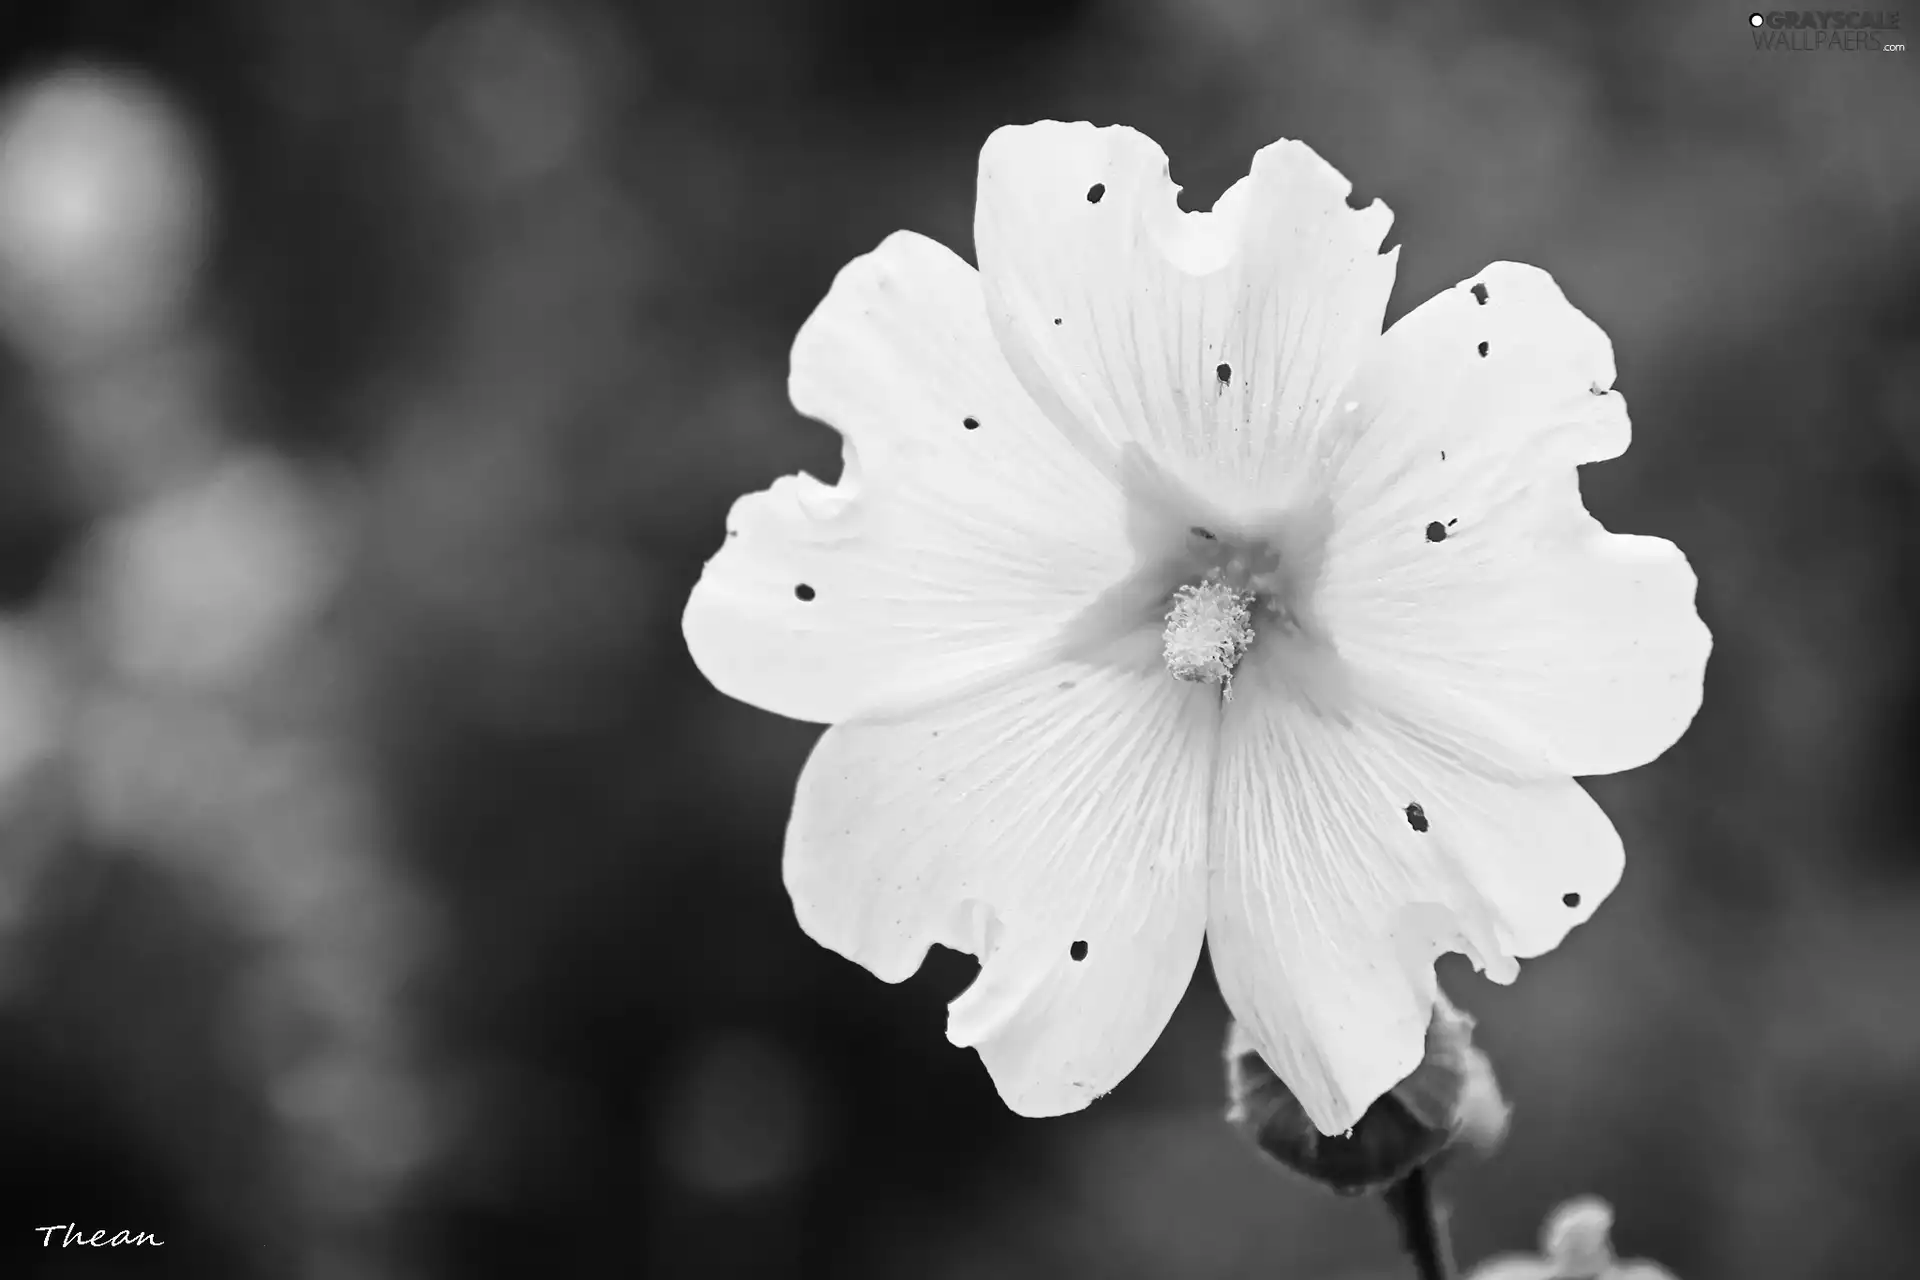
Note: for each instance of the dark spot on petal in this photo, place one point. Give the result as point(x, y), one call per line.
point(733, 533)
point(1480, 294)
point(1443, 455)
point(1483, 346)
point(1199, 532)
point(804, 591)
point(971, 424)
point(1066, 684)
point(1056, 319)
point(1224, 373)
point(1078, 950)
point(1436, 532)
point(1571, 899)
point(1416, 817)
point(1095, 191)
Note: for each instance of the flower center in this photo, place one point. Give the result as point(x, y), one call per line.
point(1209, 629)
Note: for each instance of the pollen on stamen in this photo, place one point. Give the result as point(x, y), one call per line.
point(1209, 629)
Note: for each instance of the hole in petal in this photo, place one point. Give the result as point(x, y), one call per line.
point(1483, 348)
point(1571, 899)
point(1095, 191)
point(1224, 373)
point(804, 591)
point(1056, 319)
point(1443, 455)
point(1416, 817)
point(1078, 950)
point(1436, 532)
point(1480, 294)
point(971, 424)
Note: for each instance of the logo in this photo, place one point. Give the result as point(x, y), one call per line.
point(1827, 31)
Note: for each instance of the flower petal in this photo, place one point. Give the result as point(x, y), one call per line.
point(1638, 1269)
point(1462, 556)
point(1055, 827)
point(963, 538)
point(1355, 840)
point(1516, 1266)
point(1206, 338)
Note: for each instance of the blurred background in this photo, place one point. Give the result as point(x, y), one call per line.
point(384, 895)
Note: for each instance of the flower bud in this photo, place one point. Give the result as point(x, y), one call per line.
point(1450, 1100)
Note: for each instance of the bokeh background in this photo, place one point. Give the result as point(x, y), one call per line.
point(384, 895)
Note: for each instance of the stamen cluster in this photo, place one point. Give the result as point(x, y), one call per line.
point(1209, 629)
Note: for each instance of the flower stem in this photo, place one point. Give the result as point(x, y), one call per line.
point(1423, 1225)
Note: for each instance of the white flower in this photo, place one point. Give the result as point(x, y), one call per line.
point(1139, 444)
point(1574, 1245)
